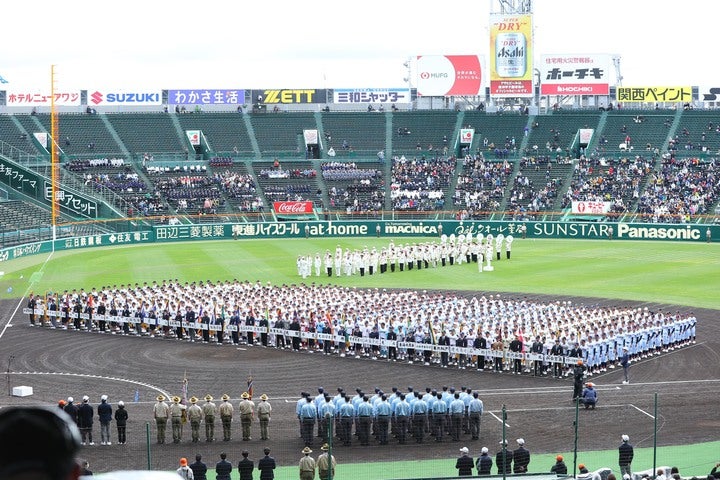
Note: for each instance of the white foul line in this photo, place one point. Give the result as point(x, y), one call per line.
point(498, 419)
point(642, 411)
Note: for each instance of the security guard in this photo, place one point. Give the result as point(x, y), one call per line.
point(209, 412)
point(247, 410)
point(161, 412)
point(194, 415)
point(226, 414)
point(176, 414)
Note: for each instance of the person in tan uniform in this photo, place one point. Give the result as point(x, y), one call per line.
point(263, 412)
point(325, 463)
point(307, 465)
point(161, 412)
point(209, 410)
point(226, 414)
point(176, 418)
point(247, 410)
point(195, 416)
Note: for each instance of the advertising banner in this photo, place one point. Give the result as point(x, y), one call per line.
point(466, 136)
point(206, 97)
point(575, 74)
point(289, 96)
point(511, 55)
point(676, 94)
point(193, 137)
point(128, 99)
point(590, 208)
point(586, 135)
point(311, 137)
point(293, 208)
point(371, 95)
point(33, 98)
point(449, 75)
point(709, 93)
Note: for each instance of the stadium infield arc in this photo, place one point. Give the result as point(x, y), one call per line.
point(61, 363)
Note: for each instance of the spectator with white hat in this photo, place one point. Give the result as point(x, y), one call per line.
point(521, 457)
point(626, 454)
point(484, 462)
point(105, 414)
point(465, 463)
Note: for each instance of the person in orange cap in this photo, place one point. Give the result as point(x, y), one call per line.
point(589, 396)
point(184, 471)
point(559, 468)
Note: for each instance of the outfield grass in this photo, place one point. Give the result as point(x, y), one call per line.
point(675, 273)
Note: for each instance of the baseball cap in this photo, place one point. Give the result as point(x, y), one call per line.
point(464, 450)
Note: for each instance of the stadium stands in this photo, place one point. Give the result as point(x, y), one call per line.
point(225, 132)
point(517, 163)
point(148, 132)
point(355, 134)
point(280, 134)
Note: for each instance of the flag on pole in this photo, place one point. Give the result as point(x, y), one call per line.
point(250, 385)
point(432, 333)
point(137, 396)
point(184, 400)
point(184, 389)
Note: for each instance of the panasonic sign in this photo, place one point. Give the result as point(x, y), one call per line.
point(660, 233)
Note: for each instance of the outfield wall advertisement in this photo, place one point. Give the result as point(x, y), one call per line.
point(536, 230)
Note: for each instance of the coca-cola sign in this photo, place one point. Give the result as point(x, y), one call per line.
point(293, 208)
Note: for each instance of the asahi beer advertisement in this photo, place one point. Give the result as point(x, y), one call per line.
point(511, 53)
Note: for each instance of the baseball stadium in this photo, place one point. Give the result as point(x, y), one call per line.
point(395, 278)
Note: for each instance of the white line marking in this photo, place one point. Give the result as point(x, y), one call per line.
point(22, 299)
point(102, 377)
point(498, 419)
point(642, 411)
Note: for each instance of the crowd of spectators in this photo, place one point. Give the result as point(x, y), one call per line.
point(682, 187)
point(481, 185)
point(619, 181)
point(357, 190)
point(290, 173)
point(420, 183)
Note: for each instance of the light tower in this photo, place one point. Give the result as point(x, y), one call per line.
point(512, 7)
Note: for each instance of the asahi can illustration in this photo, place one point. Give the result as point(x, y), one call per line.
point(510, 55)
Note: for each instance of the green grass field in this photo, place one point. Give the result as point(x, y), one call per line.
point(675, 273)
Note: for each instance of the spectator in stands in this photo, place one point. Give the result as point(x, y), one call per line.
point(370, 107)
